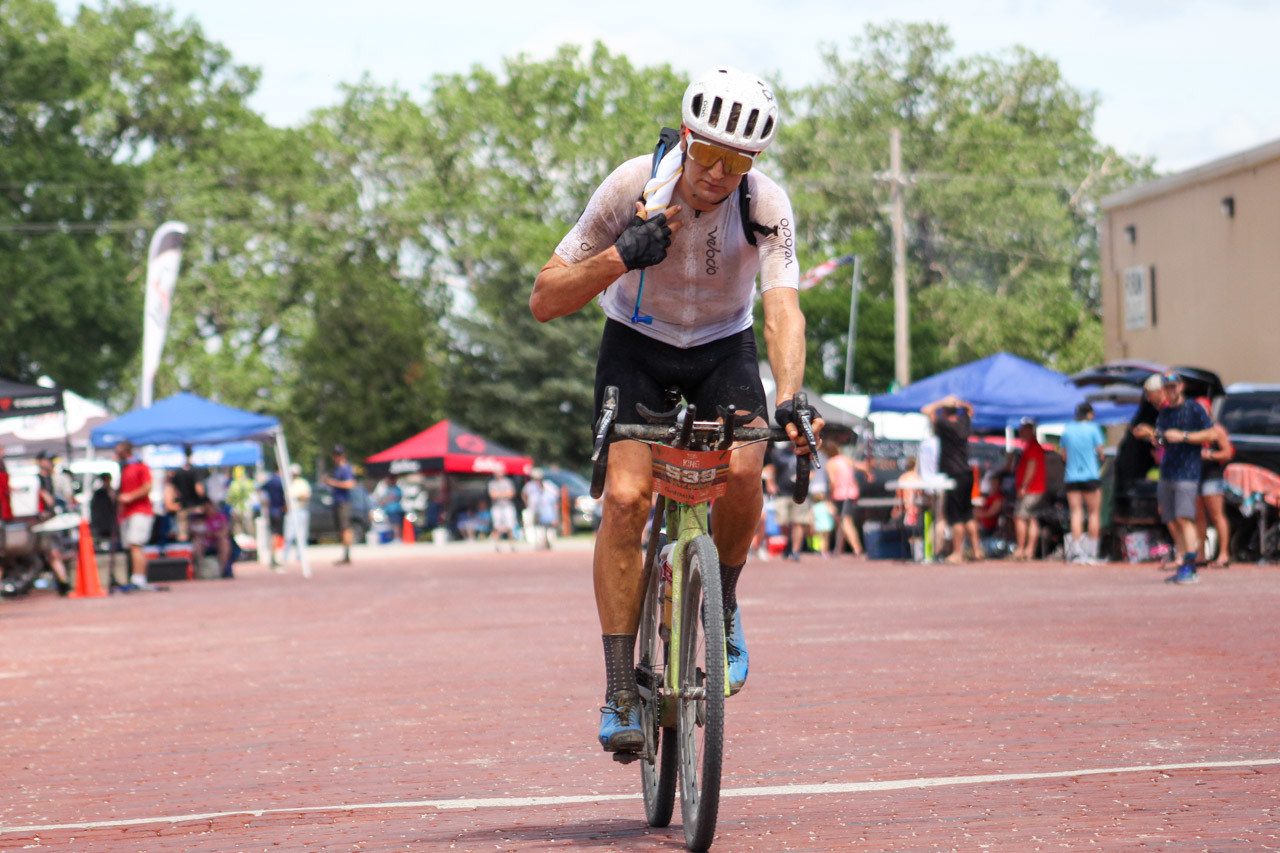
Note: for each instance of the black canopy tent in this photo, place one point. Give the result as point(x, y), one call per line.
point(18, 399)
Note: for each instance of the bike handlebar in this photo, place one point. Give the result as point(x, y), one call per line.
point(670, 434)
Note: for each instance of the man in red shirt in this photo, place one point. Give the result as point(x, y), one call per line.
point(1030, 492)
point(136, 512)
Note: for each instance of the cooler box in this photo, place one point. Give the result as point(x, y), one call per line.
point(172, 565)
point(884, 542)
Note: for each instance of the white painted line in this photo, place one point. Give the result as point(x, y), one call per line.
point(825, 788)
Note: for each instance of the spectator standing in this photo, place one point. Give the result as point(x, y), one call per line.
point(215, 487)
point(1083, 444)
point(530, 494)
point(393, 505)
point(342, 481)
point(779, 474)
point(842, 476)
point(298, 520)
point(1135, 457)
point(824, 521)
point(1210, 508)
point(1029, 494)
point(1181, 426)
point(548, 515)
point(502, 503)
point(951, 418)
point(137, 516)
point(189, 494)
point(240, 493)
point(50, 503)
point(274, 504)
point(64, 487)
point(104, 525)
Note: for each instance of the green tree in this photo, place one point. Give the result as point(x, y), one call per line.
point(1001, 214)
point(83, 110)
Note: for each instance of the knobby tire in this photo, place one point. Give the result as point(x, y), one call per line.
point(701, 721)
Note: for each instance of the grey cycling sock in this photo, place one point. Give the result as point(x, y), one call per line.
point(729, 585)
point(619, 663)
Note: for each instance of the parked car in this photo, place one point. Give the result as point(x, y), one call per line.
point(322, 523)
point(586, 509)
point(1251, 415)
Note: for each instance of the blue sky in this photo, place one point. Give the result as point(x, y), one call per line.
point(1183, 82)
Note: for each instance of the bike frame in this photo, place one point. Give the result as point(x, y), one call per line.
point(688, 521)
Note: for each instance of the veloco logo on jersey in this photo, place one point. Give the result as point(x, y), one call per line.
point(713, 252)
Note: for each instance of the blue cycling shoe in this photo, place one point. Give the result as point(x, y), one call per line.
point(620, 729)
point(736, 646)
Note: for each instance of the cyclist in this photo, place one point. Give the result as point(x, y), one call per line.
point(688, 326)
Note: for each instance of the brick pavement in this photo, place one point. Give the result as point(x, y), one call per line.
point(349, 697)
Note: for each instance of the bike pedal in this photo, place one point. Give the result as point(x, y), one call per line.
point(626, 757)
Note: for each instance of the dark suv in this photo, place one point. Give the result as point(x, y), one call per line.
point(1251, 414)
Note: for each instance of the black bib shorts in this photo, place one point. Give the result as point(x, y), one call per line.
point(720, 373)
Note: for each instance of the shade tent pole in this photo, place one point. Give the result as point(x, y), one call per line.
point(286, 476)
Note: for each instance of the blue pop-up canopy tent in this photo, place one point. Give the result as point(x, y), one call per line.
point(185, 419)
point(191, 419)
point(1002, 389)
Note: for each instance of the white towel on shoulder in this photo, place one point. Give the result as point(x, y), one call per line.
point(658, 191)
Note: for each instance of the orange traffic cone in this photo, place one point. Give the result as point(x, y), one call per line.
point(406, 532)
point(87, 583)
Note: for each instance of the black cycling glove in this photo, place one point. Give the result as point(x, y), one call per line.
point(786, 413)
point(645, 242)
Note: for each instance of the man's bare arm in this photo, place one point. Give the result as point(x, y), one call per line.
point(562, 288)
point(784, 338)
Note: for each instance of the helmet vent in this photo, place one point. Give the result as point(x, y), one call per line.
point(752, 118)
point(768, 128)
point(714, 118)
point(735, 113)
point(697, 105)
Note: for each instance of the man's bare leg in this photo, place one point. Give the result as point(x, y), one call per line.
point(619, 588)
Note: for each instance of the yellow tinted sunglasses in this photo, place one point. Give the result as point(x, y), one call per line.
point(706, 155)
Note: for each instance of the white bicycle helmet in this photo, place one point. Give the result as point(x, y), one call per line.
point(732, 108)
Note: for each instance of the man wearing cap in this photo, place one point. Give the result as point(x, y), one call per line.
point(1135, 456)
point(1029, 490)
point(951, 418)
point(342, 481)
point(1181, 427)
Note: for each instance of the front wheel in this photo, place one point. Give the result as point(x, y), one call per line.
point(701, 684)
point(658, 765)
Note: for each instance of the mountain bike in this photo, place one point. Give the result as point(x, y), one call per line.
point(682, 661)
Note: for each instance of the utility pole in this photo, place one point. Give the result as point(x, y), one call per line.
point(853, 325)
point(901, 330)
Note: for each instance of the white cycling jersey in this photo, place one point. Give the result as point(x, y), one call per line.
point(704, 290)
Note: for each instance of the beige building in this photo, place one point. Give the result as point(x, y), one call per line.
point(1191, 268)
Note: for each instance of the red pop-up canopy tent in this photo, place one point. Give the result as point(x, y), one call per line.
point(451, 449)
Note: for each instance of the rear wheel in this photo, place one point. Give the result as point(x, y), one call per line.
point(658, 766)
point(702, 690)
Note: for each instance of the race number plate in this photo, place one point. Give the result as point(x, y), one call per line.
point(690, 476)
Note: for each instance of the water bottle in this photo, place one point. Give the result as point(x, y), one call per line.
point(664, 589)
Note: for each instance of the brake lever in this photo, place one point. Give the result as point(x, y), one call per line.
point(806, 426)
